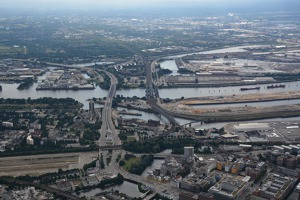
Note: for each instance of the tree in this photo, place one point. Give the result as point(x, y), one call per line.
point(122, 163)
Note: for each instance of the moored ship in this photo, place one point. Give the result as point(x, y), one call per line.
point(252, 88)
point(275, 86)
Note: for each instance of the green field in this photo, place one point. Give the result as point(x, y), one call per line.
point(11, 50)
point(130, 162)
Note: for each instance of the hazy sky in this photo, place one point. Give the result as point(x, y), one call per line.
point(252, 4)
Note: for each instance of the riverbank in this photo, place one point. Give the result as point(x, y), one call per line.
point(233, 113)
point(136, 108)
point(249, 98)
point(236, 118)
point(216, 85)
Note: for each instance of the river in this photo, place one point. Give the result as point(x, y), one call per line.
point(175, 93)
point(145, 115)
point(10, 91)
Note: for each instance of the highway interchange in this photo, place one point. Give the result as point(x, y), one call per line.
point(108, 130)
point(109, 135)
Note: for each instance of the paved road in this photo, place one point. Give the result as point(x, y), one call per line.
point(153, 95)
point(108, 130)
point(109, 135)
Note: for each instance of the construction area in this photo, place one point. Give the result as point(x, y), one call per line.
point(207, 108)
point(240, 98)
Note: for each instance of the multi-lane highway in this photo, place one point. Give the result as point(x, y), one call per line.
point(153, 95)
point(109, 135)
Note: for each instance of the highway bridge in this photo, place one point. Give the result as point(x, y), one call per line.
point(162, 111)
point(109, 135)
point(152, 94)
point(194, 123)
point(112, 147)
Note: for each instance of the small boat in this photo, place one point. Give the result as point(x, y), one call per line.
point(252, 88)
point(275, 86)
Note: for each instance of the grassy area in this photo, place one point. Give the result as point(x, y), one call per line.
point(130, 138)
point(9, 50)
point(130, 162)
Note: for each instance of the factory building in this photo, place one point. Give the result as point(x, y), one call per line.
point(244, 127)
point(229, 189)
point(275, 187)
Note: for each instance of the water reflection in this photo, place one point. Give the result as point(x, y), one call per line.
point(10, 91)
point(145, 115)
point(127, 188)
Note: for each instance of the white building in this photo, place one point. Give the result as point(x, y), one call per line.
point(243, 127)
point(29, 140)
point(7, 124)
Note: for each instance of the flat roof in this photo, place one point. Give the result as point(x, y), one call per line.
point(252, 126)
point(245, 145)
point(292, 127)
point(228, 135)
point(286, 147)
point(278, 147)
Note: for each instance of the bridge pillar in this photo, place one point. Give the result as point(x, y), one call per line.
point(190, 125)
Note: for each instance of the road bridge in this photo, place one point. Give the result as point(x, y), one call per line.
point(152, 94)
point(200, 122)
point(113, 147)
point(162, 111)
point(109, 135)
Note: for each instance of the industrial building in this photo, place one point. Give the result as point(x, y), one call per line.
point(229, 188)
point(244, 127)
point(275, 187)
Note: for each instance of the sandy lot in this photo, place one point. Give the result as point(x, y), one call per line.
point(242, 98)
point(39, 164)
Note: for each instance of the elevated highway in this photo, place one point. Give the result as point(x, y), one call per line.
point(109, 135)
point(152, 94)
